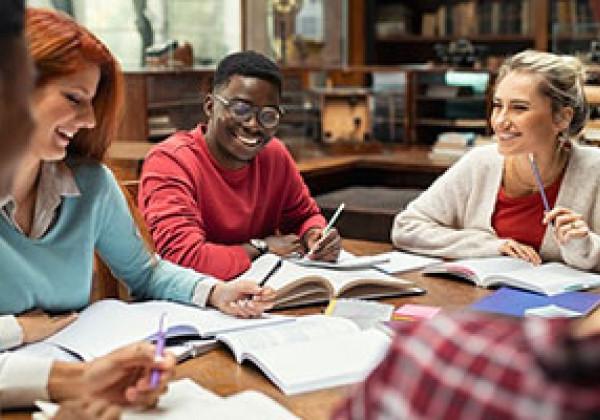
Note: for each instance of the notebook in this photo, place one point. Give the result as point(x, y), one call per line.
point(186, 400)
point(109, 324)
point(399, 262)
point(315, 352)
point(364, 313)
point(299, 285)
point(550, 278)
point(346, 261)
point(515, 302)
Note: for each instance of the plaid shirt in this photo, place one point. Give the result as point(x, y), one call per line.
point(477, 367)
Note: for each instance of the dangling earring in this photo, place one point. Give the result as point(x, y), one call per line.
point(563, 140)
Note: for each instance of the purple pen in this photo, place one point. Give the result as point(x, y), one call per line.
point(538, 180)
point(160, 346)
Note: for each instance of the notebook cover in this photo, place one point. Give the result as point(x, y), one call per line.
point(509, 301)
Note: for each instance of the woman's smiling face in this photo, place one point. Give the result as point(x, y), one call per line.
point(62, 106)
point(522, 117)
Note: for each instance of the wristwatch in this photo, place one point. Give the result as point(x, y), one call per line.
point(261, 245)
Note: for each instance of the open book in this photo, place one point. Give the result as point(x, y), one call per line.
point(187, 400)
point(299, 285)
point(109, 324)
point(315, 352)
point(549, 279)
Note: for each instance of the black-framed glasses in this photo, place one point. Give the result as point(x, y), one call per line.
point(243, 111)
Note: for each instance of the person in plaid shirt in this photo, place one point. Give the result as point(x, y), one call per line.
point(473, 366)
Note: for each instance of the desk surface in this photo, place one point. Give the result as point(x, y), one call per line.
point(218, 371)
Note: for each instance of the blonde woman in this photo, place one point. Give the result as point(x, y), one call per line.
point(489, 203)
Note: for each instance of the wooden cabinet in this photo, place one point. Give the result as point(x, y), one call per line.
point(160, 101)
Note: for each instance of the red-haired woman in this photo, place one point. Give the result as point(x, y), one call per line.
point(65, 204)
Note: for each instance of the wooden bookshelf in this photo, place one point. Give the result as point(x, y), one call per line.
point(502, 27)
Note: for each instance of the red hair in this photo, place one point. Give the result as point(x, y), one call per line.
point(60, 47)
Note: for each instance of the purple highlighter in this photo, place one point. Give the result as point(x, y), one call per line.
point(160, 346)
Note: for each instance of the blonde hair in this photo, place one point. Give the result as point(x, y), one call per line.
point(562, 80)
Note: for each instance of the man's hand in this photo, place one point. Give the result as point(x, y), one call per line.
point(283, 245)
point(516, 249)
point(323, 248)
point(88, 409)
point(242, 298)
point(38, 325)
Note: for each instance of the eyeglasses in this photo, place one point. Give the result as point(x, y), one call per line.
point(242, 111)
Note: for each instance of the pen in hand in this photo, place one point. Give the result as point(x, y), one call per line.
point(325, 231)
point(540, 184)
point(272, 271)
point(159, 351)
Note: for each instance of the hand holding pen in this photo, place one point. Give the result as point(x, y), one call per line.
point(325, 244)
point(125, 376)
point(566, 223)
point(160, 348)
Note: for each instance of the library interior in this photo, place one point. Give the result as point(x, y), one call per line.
point(383, 208)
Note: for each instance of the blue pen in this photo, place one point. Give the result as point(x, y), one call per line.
point(160, 346)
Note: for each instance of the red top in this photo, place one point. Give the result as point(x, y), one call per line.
point(520, 218)
point(199, 212)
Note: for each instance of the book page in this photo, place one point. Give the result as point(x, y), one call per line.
point(323, 362)
point(305, 328)
point(184, 400)
point(346, 261)
point(249, 405)
point(550, 279)
point(341, 280)
point(477, 269)
point(400, 262)
point(109, 324)
point(187, 400)
point(260, 268)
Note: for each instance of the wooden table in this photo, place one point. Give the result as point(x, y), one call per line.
point(218, 371)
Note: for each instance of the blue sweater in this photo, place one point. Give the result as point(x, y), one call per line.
point(54, 273)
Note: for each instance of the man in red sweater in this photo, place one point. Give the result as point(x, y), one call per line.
point(224, 193)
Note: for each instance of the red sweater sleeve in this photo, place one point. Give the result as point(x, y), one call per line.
point(167, 201)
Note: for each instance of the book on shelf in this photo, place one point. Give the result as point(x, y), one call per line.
point(314, 352)
point(299, 285)
point(185, 400)
point(108, 324)
point(549, 278)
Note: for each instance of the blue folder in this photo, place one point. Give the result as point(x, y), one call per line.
point(515, 302)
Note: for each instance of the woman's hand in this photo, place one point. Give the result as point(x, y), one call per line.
point(124, 376)
point(37, 325)
point(568, 225)
point(516, 249)
point(88, 409)
point(242, 298)
point(325, 248)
